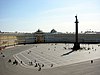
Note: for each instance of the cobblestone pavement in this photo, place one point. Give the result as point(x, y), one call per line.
point(48, 58)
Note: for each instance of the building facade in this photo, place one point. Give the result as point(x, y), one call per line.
point(8, 39)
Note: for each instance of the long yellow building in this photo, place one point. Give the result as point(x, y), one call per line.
point(7, 39)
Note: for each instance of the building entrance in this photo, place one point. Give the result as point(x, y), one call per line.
point(39, 39)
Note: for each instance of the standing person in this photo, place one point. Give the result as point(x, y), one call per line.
point(3, 55)
point(91, 61)
point(16, 62)
point(36, 65)
point(39, 69)
point(9, 60)
point(30, 63)
point(51, 65)
point(21, 62)
point(42, 65)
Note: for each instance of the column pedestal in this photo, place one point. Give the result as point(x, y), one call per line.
point(76, 46)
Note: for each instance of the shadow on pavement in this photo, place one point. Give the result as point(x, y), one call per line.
point(67, 53)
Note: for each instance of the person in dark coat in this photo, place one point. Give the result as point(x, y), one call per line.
point(91, 61)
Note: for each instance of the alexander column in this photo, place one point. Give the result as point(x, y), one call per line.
point(76, 44)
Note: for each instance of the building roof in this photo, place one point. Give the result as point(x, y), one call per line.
point(39, 31)
point(53, 31)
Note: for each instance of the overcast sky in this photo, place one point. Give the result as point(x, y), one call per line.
point(31, 15)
